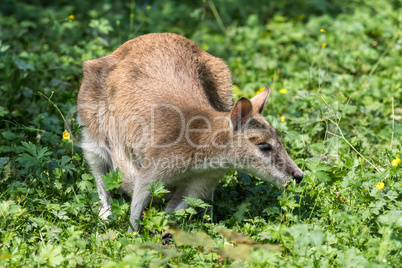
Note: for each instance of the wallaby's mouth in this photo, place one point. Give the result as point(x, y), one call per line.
point(274, 177)
point(278, 178)
point(298, 175)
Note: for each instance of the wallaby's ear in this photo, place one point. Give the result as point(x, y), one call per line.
point(259, 100)
point(242, 111)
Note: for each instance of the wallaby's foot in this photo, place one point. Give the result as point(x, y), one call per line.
point(105, 213)
point(104, 221)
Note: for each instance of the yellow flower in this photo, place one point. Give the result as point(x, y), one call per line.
point(66, 135)
point(380, 185)
point(283, 90)
point(283, 118)
point(324, 45)
point(323, 31)
point(395, 162)
point(71, 17)
point(260, 90)
point(19, 198)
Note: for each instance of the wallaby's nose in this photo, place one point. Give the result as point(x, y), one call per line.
point(298, 176)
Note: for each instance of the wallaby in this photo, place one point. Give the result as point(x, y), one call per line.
point(161, 109)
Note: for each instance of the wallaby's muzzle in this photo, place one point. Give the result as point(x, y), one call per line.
point(297, 175)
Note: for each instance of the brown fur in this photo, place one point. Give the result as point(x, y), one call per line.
point(160, 97)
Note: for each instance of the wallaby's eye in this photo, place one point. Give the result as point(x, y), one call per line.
point(264, 146)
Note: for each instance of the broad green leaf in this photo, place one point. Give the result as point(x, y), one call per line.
point(157, 189)
point(113, 179)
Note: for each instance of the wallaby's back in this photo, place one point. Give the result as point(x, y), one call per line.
point(148, 70)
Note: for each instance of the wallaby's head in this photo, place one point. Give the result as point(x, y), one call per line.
point(256, 146)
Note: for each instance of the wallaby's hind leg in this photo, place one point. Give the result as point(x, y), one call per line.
point(202, 190)
point(99, 161)
point(176, 202)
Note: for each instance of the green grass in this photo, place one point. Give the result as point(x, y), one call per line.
point(342, 126)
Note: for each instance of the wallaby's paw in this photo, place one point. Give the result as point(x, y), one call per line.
point(104, 218)
point(105, 213)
